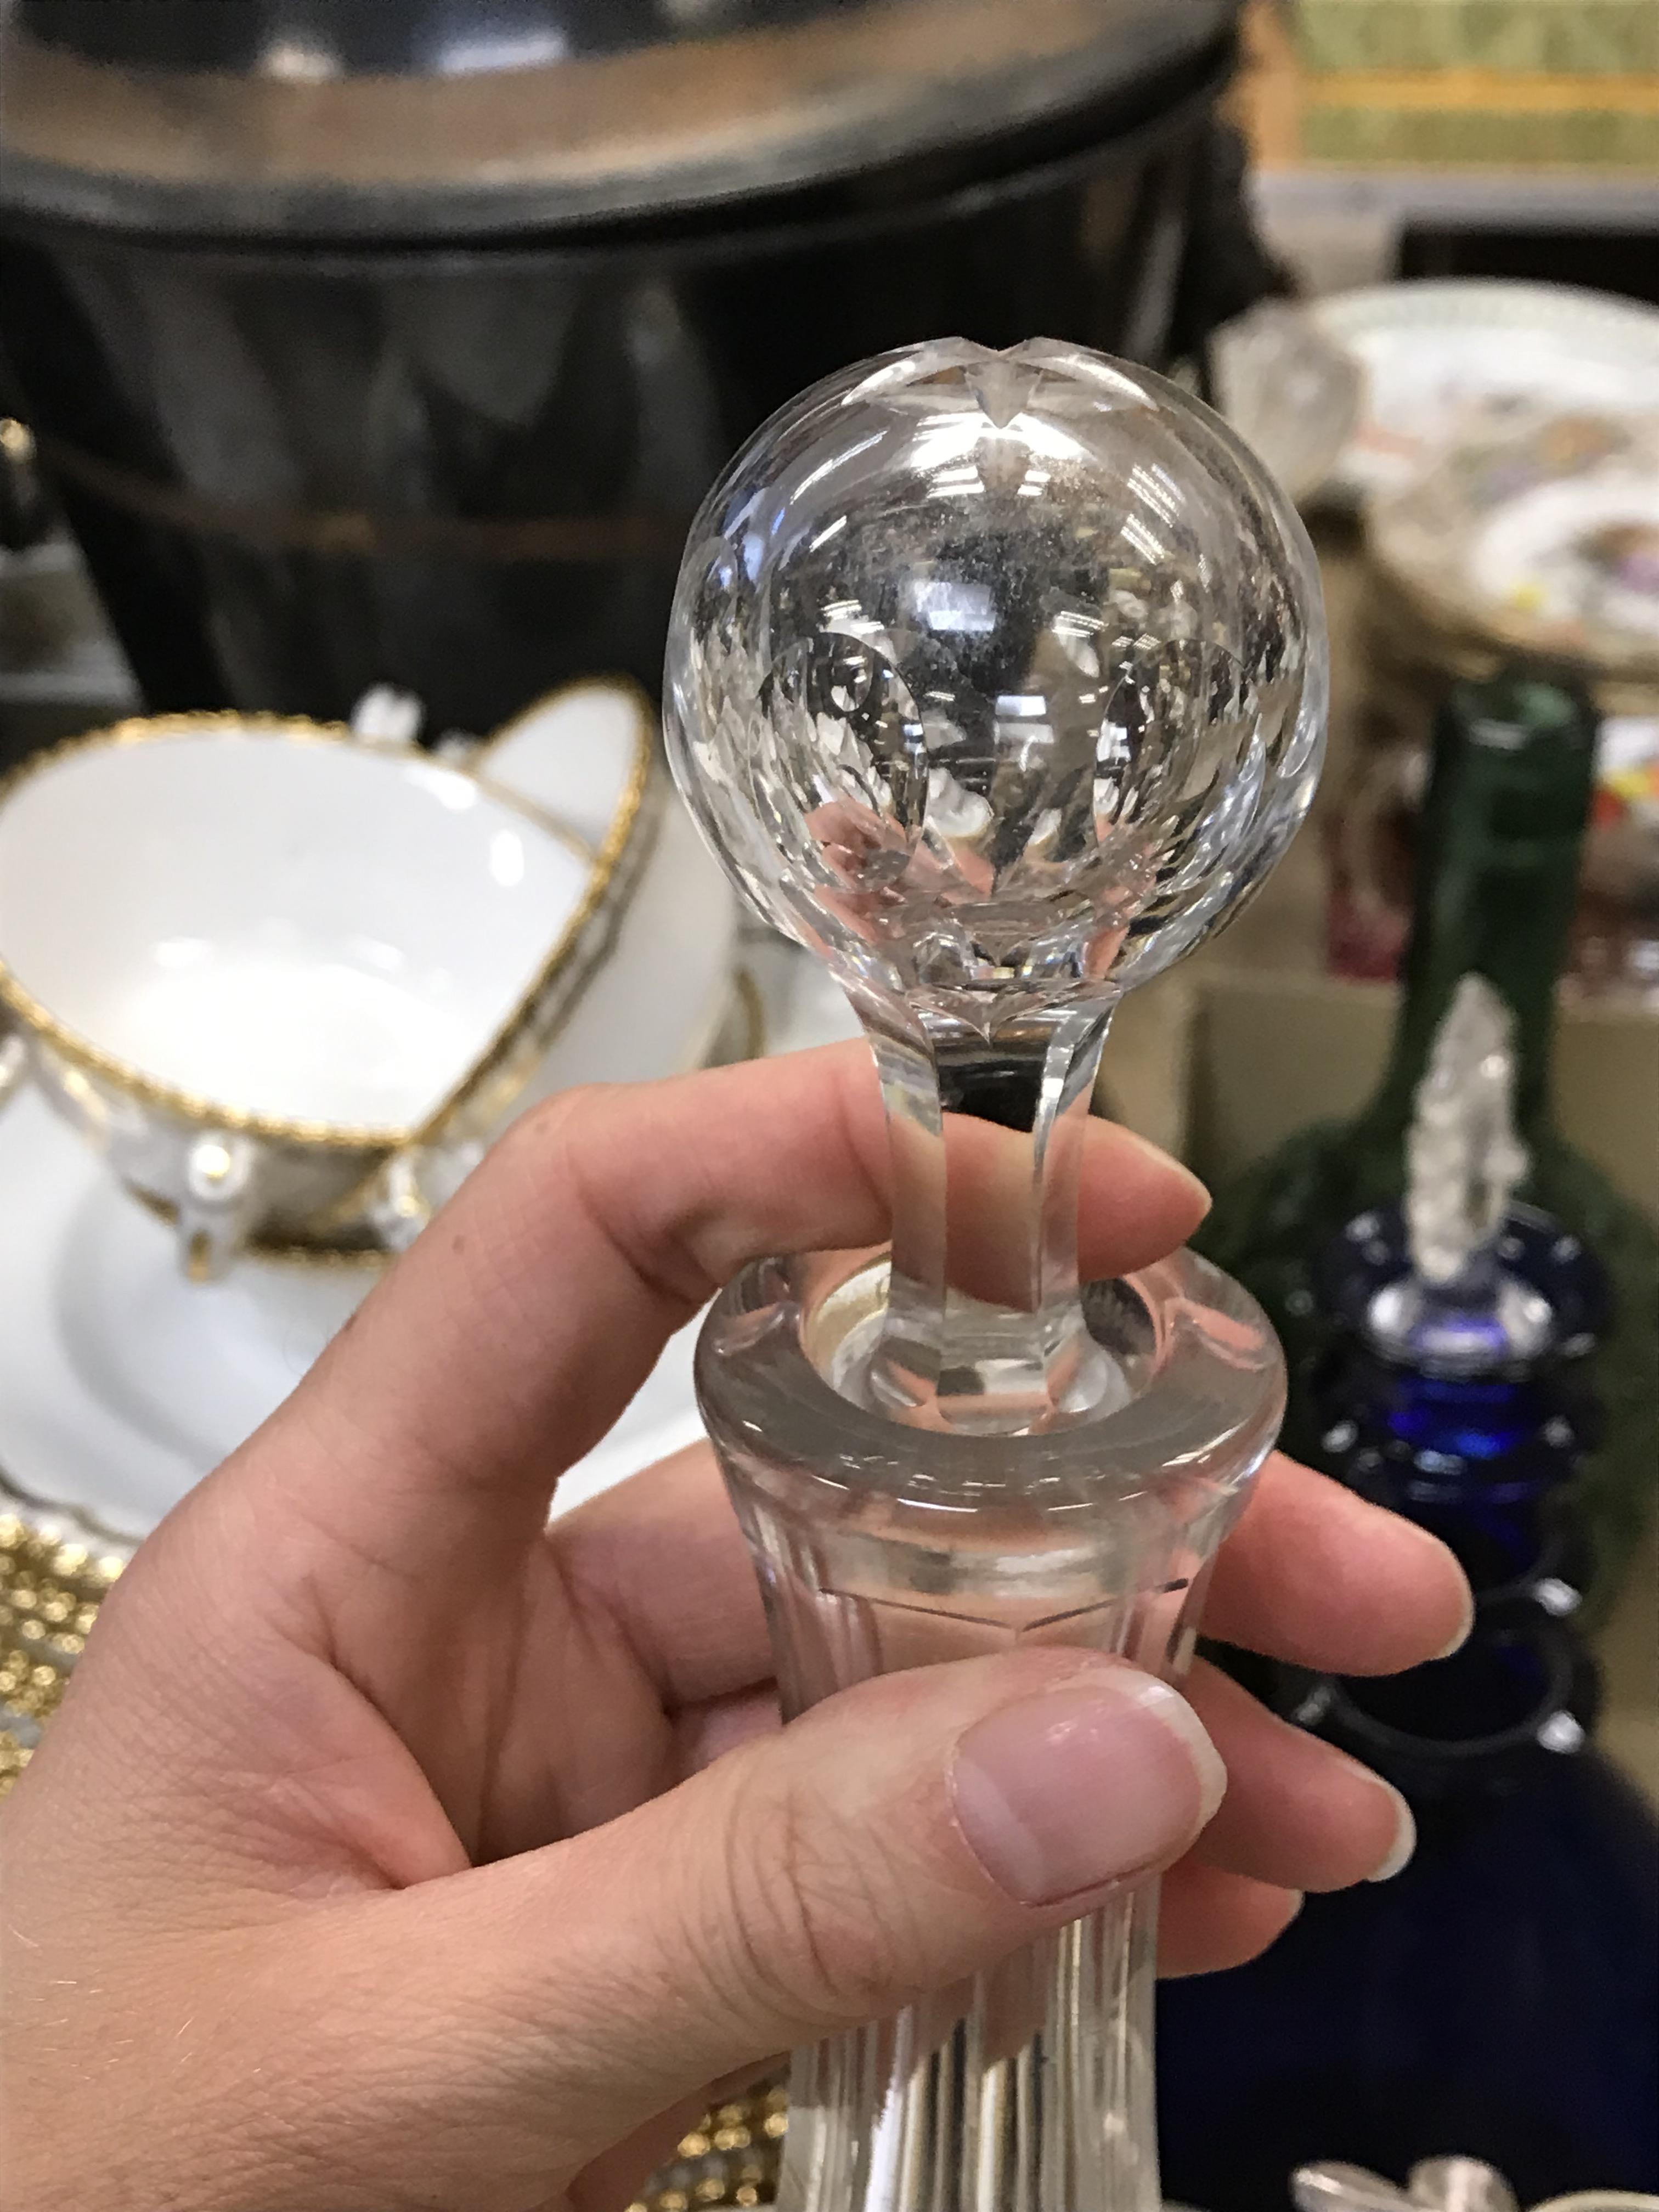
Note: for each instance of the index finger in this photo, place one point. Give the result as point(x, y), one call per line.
point(502, 1347)
point(1312, 1575)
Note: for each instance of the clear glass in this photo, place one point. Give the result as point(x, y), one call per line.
point(998, 680)
point(881, 1547)
point(1288, 388)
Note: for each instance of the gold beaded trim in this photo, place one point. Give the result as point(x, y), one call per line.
point(51, 1589)
point(730, 2158)
point(190, 1107)
point(14, 1749)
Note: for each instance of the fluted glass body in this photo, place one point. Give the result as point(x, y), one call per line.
point(881, 1547)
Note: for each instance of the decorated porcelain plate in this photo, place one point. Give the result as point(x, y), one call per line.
point(1436, 352)
point(1540, 536)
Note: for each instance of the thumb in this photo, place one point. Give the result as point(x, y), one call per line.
point(895, 1839)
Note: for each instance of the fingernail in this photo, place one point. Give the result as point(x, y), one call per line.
point(1444, 1557)
point(1168, 1165)
point(1466, 1626)
point(1399, 1853)
point(1402, 1843)
point(1073, 1788)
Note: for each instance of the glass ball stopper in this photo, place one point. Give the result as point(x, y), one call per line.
point(997, 680)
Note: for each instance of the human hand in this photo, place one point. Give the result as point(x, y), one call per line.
point(393, 1850)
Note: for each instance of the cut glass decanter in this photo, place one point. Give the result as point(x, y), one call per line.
point(997, 680)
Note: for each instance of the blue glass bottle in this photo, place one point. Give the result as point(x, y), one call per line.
point(1470, 1410)
point(1499, 1998)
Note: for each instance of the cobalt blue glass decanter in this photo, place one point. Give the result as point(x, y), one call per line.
point(1501, 1994)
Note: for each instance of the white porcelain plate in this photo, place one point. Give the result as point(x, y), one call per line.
point(121, 1383)
point(1435, 351)
point(322, 931)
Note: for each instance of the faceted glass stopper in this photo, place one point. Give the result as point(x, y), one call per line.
point(998, 678)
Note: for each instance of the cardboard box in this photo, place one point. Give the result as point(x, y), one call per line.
point(1219, 1062)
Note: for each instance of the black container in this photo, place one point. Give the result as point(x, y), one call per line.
point(325, 406)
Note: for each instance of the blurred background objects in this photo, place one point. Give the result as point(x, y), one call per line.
point(365, 343)
point(347, 344)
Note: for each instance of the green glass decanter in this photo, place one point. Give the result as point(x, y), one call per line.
point(1503, 824)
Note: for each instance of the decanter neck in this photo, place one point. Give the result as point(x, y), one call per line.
point(1496, 875)
point(984, 1331)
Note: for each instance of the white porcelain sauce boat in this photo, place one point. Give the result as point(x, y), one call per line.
point(291, 980)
